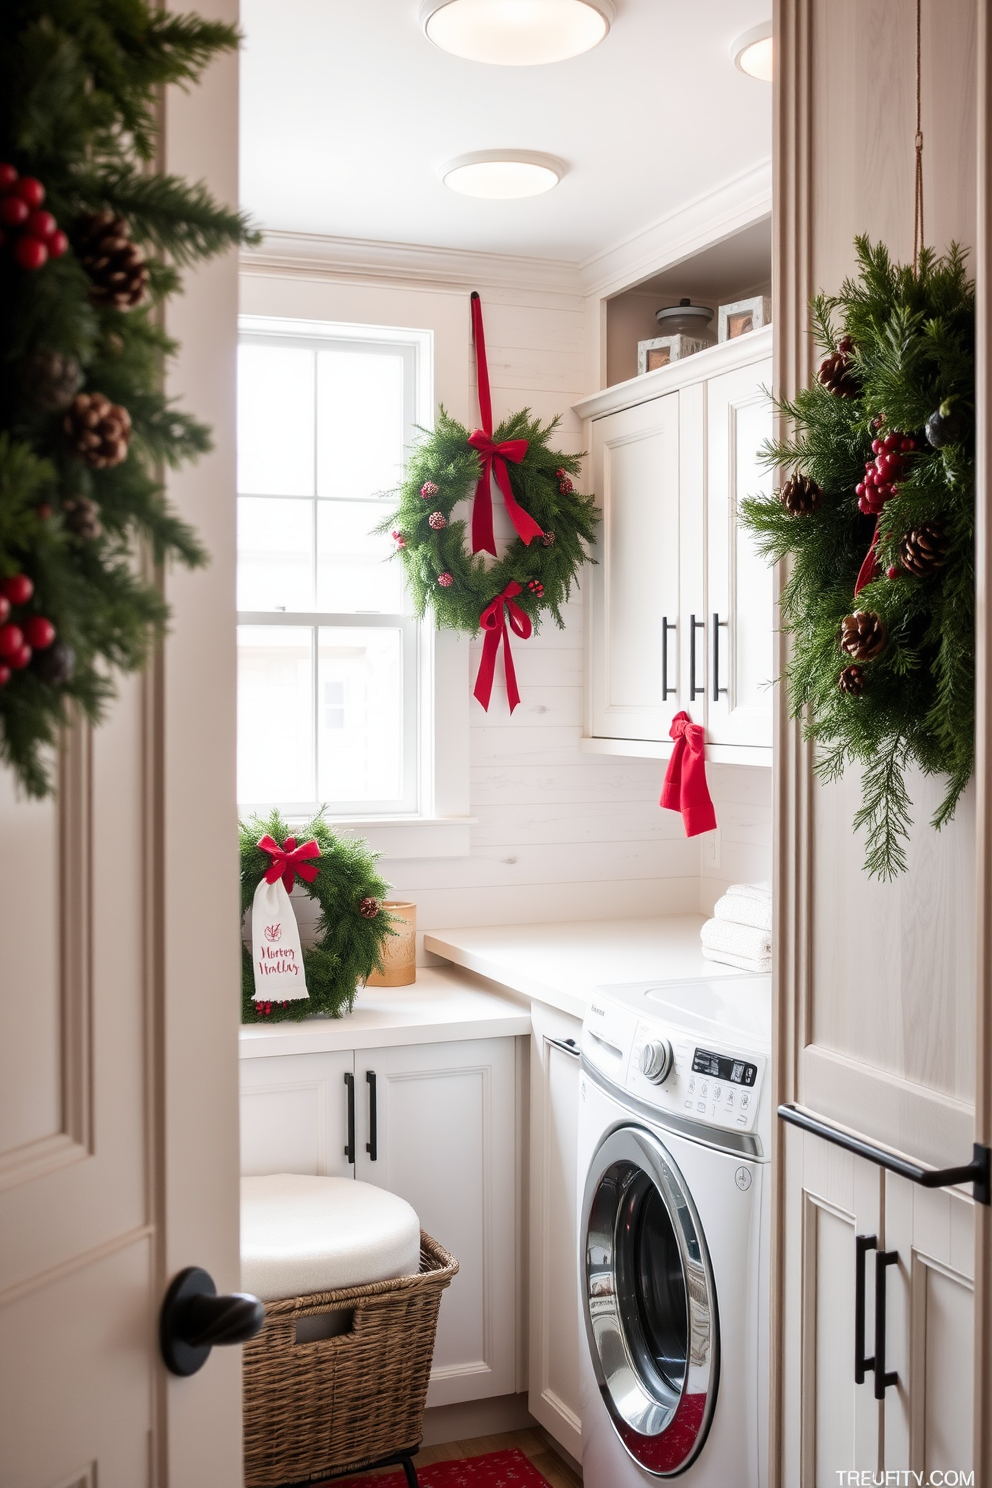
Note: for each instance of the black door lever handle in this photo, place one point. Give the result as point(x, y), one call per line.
point(194, 1319)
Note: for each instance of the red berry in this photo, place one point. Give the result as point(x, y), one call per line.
point(8, 175)
point(41, 225)
point(30, 253)
point(39, 632)
point(891, 572)
point(30, 190)
point(4, 608)
point(43, 512)
point(892, 441)
point(13, 211)
point(18, 588)
point(11, 640)
point(21, 657)
point(859, 489)
point(876, 446)
point(4, 675)
point(57, 244)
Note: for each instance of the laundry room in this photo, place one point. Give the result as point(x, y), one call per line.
point(495, 970)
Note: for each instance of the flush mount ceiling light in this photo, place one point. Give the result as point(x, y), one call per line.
point(516, 33)
point(752, 52)
point(502, 174)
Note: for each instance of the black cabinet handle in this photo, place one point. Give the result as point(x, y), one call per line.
point(717, 623)
point(349, 1151)
point(863, 1244)
point(666, 626)
point(372, 1145)
point(883, 1380)
point(694, 625)
point(194, 1320)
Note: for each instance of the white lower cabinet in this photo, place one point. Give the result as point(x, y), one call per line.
point(436, 1124)
point(553, 1397)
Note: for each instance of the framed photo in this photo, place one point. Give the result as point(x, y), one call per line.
point(664, 349)
point(744, 316)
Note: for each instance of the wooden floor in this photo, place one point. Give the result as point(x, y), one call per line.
point(531, 1443)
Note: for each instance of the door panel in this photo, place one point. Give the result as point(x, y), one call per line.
point(294, 1114)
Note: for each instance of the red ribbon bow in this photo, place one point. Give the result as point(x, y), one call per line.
point(288, 860)
point(493, 621)
point(494, 458)
point(870, 568)
point(685, 787)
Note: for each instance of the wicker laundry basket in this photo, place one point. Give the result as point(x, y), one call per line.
point(323, 1407)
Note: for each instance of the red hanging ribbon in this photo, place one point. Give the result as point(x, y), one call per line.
point(869, 568)
point(494, 458)
point(493, 621)
point(685, 787)
point(288, 860)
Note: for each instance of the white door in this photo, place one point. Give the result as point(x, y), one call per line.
point(118, 989)
point(740, 618)
point(636, 625)
point(437, 1125)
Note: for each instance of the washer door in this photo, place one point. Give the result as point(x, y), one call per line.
point(649, 1301)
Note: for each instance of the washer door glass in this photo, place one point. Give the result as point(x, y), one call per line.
point(650, 1302)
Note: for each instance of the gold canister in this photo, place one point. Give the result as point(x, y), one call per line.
point(399, 953)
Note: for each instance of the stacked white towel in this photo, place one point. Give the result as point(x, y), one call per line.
point(740, 933)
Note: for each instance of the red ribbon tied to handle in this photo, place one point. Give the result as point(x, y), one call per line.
point(494, 458)
point(685, 787)
point(288, 860)
point(493, 621)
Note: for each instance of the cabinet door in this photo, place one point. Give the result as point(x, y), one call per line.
point(294, 1114)
point(553, 1376)
point(634, 586)
point(740, 619)
point(437, 1125)
point(836, 1197)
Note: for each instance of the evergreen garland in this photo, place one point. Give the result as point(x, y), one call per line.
point(349, 944)
point(79, 88)
point(446, 467)
point(900, 344)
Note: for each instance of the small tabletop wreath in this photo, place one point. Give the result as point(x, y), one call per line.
point(462, 589)
point(340, 873)
point(877, 520)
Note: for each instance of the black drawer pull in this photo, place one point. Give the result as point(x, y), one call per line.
point(349, 1151)
point(863, 1244)
point(372, 1145)
point(717, 624)
point(883, 1380)
point(694, 625)
point(666, 626)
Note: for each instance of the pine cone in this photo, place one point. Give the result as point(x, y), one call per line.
point(50, 379)
point(82, 516)
point(862, 635)
point(98, 430)
point(115, 265)
point(801, 496)
point(369, 908)
point(922, 550)
point(852, 681)
point(837, 372)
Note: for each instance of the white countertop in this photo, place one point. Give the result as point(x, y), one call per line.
point(443, 1004)
point(561, 963)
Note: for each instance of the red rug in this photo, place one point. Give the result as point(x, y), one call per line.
point(494, 1470)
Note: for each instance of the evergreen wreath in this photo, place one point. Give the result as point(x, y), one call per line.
point(876, 522)
point(352, 927)
point(91, 244)
point(456, 585)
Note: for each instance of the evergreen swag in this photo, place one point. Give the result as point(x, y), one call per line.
point(350, 939)
point(900, 347)
point(456, 585)
point(79, 88)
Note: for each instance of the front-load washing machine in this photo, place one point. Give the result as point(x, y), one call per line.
point(674, 1135)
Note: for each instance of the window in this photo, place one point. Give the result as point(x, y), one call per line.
point(329, 684)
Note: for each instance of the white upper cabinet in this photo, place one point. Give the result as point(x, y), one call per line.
point(681, 608)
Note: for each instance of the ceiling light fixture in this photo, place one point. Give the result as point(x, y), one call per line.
point(752, 52)
point(502, 174)
point(516, 33)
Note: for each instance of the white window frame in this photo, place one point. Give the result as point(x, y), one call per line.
point(435, 663)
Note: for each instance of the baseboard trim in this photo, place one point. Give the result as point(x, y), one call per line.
point(448, 1423)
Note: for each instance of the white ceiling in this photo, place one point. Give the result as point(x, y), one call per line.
point(348, 110)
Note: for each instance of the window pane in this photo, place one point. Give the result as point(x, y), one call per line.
point(275, 420)
point(275, 714)
point(360, 714)
point(275, 554)
point(360, 422)
point(353, 571)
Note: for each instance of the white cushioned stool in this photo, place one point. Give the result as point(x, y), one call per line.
point(337, 1379)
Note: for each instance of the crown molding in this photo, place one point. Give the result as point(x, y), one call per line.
point(362, 260)
point(700, 223)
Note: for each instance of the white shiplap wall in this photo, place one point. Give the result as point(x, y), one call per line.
point(559, 834)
